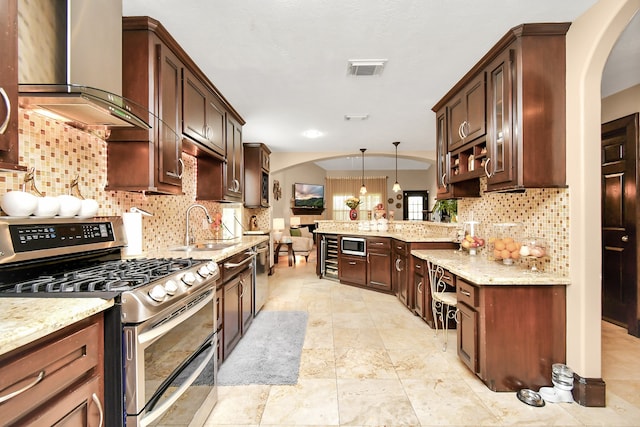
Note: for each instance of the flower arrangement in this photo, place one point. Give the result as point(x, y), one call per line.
point(353, 202)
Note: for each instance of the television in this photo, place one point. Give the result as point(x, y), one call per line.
point(308, 195)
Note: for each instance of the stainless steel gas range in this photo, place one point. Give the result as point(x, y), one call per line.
point(160, 338)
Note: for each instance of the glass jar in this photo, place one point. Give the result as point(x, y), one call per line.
point(505, 242)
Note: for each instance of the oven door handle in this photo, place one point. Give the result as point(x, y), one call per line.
point(168, 403)
point(154, 333)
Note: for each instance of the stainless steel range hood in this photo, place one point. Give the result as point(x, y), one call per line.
point(70, 63)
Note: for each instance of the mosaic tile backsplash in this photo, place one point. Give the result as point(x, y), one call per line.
point(59, 153)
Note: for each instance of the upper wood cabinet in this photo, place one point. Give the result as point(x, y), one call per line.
point(9, 86)
point(152, 77)
point(234, 184)
point(203, 116)
point(256, 175)
point(517, 139)
point(467, 113)
point(526, 104)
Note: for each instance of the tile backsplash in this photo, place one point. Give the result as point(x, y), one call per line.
point(59, 153)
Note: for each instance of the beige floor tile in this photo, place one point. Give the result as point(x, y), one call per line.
point(618, 412)
point(318, 363)
point(352, 320)
point(357, 338)
point(363, 363)
point(374, 402)
point(310, 402)
point(239, 405)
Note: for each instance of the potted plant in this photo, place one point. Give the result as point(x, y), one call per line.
point(446, 210)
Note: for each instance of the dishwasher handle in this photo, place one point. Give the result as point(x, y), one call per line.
point(238, 264)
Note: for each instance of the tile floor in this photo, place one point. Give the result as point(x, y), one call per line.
point(367, 361)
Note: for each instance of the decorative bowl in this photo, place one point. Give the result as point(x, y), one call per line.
point(88, 208)
point(47, 207)
point(69, 206)
point(19, 203)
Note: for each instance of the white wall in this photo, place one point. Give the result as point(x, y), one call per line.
point(307, 173)
point(621, 104)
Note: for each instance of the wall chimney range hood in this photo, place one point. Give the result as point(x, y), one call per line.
point(70, 63)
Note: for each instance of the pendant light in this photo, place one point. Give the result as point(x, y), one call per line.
point(396, 186)
point(363, 189)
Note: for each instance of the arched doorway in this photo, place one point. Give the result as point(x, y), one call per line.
point(589, 42)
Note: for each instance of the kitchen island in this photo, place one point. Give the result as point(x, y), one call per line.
point(511, 321)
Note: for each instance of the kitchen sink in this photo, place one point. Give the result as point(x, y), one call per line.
point(205, 246)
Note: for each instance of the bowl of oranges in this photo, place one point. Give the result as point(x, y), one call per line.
point(505, 244)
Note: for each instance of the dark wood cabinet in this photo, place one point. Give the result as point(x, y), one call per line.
point(400, 271)
point(379, 263)
point(152, 77)
point(509, 336)
point(64, 373)
point(231, 318)
point(420, 287)
point(445, 173)
point(9, 86)
point(234, 181)
point(467, 324)
point(237, 309)
point(467, 113)
point(517, 139)
point(527, 150)
point(352, 269)
point(219, 322)
point(256, 175)
point(203, 116)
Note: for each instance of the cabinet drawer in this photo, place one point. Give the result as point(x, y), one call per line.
point(400, 247)
point(47, 369)
point(377, 245)
point(353, 269)
point(419, 267)
point(448, 278)
point(466, 293)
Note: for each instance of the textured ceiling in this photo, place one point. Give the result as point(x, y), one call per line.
point(283, 63)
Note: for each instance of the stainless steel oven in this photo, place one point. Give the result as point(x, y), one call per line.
point(160, 337)
point(353, 245)
point(171, 365)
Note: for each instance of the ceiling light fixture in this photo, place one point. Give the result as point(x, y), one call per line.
point(356, 116)
point(312, 133)
point(363, 189)
point(366, 67)
point(396, 186)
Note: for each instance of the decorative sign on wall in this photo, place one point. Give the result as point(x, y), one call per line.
point(277, 191)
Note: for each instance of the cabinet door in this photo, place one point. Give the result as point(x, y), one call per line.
point(401, 278)
point(467, 114)
point(169, 69)
point(9, 85)
point(352, 269)
point(235, 173)
point(246, 299)
point(219, 322)
point(379, 270)
point(418, 303)
point(442, 165)
point(215, 122)
point(468, 336)
point(499, 164)
point(231, 317)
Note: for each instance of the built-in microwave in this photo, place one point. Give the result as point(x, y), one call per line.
point(353, 245)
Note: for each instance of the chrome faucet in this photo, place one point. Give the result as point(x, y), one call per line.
point(187, 239)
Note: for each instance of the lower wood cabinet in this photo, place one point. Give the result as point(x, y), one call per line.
point(379, 264)
point(352, 269)
point(510, 335)
point(237, 310)
point(58, 380)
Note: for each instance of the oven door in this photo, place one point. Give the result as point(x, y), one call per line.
point(170, 365)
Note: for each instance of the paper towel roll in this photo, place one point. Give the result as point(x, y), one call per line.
point(133, 229)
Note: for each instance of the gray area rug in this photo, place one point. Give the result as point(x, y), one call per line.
point(269, 353)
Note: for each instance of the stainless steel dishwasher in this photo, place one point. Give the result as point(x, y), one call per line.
point(261, 279)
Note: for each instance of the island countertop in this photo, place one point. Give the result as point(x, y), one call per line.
point(480, 270)
point(24, 320)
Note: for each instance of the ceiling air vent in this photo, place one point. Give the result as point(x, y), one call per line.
point(366, 67)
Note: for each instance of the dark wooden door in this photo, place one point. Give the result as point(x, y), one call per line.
point(619, 248)
point(379, 270)
point(169, 77)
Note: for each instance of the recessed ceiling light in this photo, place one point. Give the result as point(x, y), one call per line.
point(312, 133)
point(366, 67)
point(356, 116)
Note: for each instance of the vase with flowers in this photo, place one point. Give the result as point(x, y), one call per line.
point(353, 203)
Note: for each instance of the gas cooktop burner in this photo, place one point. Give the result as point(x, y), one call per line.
point(109, 276)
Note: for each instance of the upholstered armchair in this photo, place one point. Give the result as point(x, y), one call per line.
point(302, 240)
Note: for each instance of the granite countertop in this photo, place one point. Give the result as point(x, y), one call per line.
point(409, 238)
point(24, 320)
point(482, 271)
